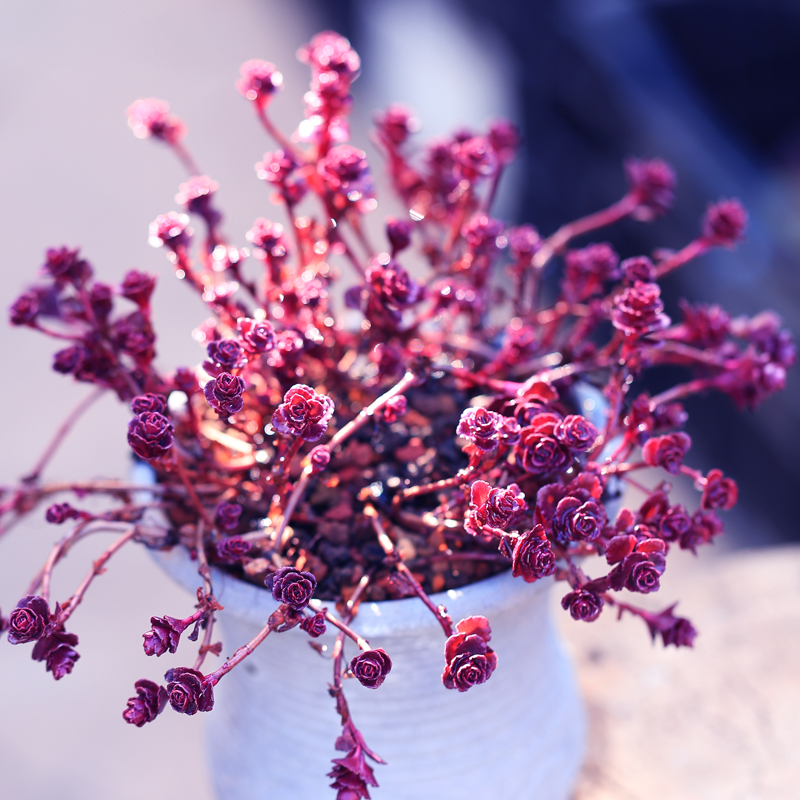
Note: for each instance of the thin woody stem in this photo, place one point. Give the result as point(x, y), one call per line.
point(277, 135)
point(241, 653)
point(440, 612)
point(619, 469)
point(362, 643)
point(363, 416)
point(205, 573)
point(559, 240)
point(186, 159)
point(682, 390)
point(81, 530)
point(190, 490)
point(686, 254)
point(62, 432)
point(98, 567)
point(428, 488)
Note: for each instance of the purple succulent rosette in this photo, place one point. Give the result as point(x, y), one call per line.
point(232, 549)
point(371, 667)
point(28, 621)
point(150, 435)
point(292, 587)
point(188, 691)
point(150, 701)
point(59, 513)
point(538, 451)
point(319, 457)
point(391, 284)
point(652, 186)
point(164, 636)
point(143, 403)
point(572, 512)
point(224, 355)
point(138, 287)
point(57, 650)
point(224, 394)
point(228, 515)
point(583, 605)
point(314, 625)
point(639, 310)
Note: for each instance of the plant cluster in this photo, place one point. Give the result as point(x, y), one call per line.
point(433, 431)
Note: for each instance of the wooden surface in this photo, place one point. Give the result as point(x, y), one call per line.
point(720, 721)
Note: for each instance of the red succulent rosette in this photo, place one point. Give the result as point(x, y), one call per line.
point(538, 451)
point(533, 557)
point(345, 173)
point(150, 117)
point(475, 158)
point(667, 451)
point(576, 432)
point(492, 507)
point(640, 571)
point(143, 403)
point(724, 223)
point(391, 284)
point(652, 184)
point(586, 271)
point(481, 427)
point(719, 491)
point(351, 775)
point(259, 82)
point(482, 234)
point(257, 336)
point(469, 660)
point(673, 630)
point(572, 512)
point(638, 268)
point(303, 413)
point(639, 310)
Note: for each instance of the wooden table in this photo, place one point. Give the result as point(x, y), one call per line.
point(720, 721)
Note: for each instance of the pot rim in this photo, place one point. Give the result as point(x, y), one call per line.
point(254, 604)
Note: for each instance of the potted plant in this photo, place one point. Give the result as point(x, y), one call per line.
point(455, 437)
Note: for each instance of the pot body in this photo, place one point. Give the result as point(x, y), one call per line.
point(519, 736)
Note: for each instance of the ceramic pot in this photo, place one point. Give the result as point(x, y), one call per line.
point(518, 736)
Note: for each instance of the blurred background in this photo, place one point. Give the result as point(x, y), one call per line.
point(712, 86)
